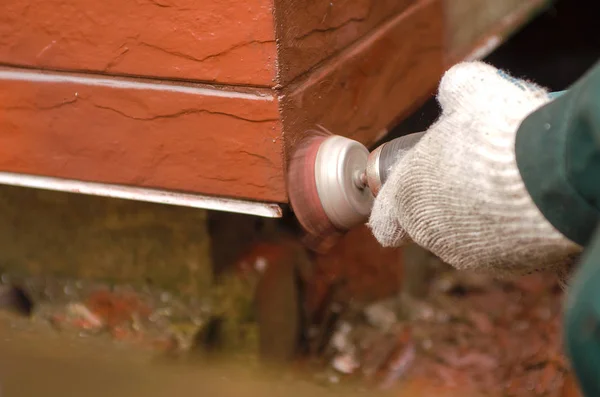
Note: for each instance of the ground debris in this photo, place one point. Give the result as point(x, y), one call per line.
point(482, 336)
point(148, 318)
point(471, 335)
point(84, 317)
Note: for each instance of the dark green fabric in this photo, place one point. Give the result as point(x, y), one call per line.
point(558, 154)
point(582, 320)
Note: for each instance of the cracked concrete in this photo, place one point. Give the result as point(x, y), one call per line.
point(131, 49)
point(183, 112)
point(330, 29)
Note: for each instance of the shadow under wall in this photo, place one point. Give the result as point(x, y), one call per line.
point(553, 50)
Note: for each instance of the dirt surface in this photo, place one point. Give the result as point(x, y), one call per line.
point(39, 362)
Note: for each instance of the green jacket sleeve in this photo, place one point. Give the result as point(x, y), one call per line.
point(582, 320)
point(558, 155)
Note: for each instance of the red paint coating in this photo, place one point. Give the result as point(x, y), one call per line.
point(310, 31)
point(388, 64)
point(148, 138)
point(225, 41)
point(364, 89)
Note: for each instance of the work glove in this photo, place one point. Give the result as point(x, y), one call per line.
point(458, 192)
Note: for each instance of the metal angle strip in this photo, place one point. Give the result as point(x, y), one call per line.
point(267, 210)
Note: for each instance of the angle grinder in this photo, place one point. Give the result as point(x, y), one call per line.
point(333, 181)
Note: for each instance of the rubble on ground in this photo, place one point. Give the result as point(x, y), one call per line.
point(471, 335)
point(495, 338)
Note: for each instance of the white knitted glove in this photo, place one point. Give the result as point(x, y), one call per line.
point(459, 193)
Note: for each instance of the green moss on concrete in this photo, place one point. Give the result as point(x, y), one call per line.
point(69, 235)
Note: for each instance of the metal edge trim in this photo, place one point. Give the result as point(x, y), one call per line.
point(262, 209)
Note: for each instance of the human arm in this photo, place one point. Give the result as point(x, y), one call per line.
point(564, 181)
point(508, 181)
point(459, 192)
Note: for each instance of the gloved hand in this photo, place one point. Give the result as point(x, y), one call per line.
point(458, 192)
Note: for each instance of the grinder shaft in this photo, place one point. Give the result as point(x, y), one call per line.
point(346, 179)
point(382, 159)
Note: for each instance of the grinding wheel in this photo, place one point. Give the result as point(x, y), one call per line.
point(326, 191)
